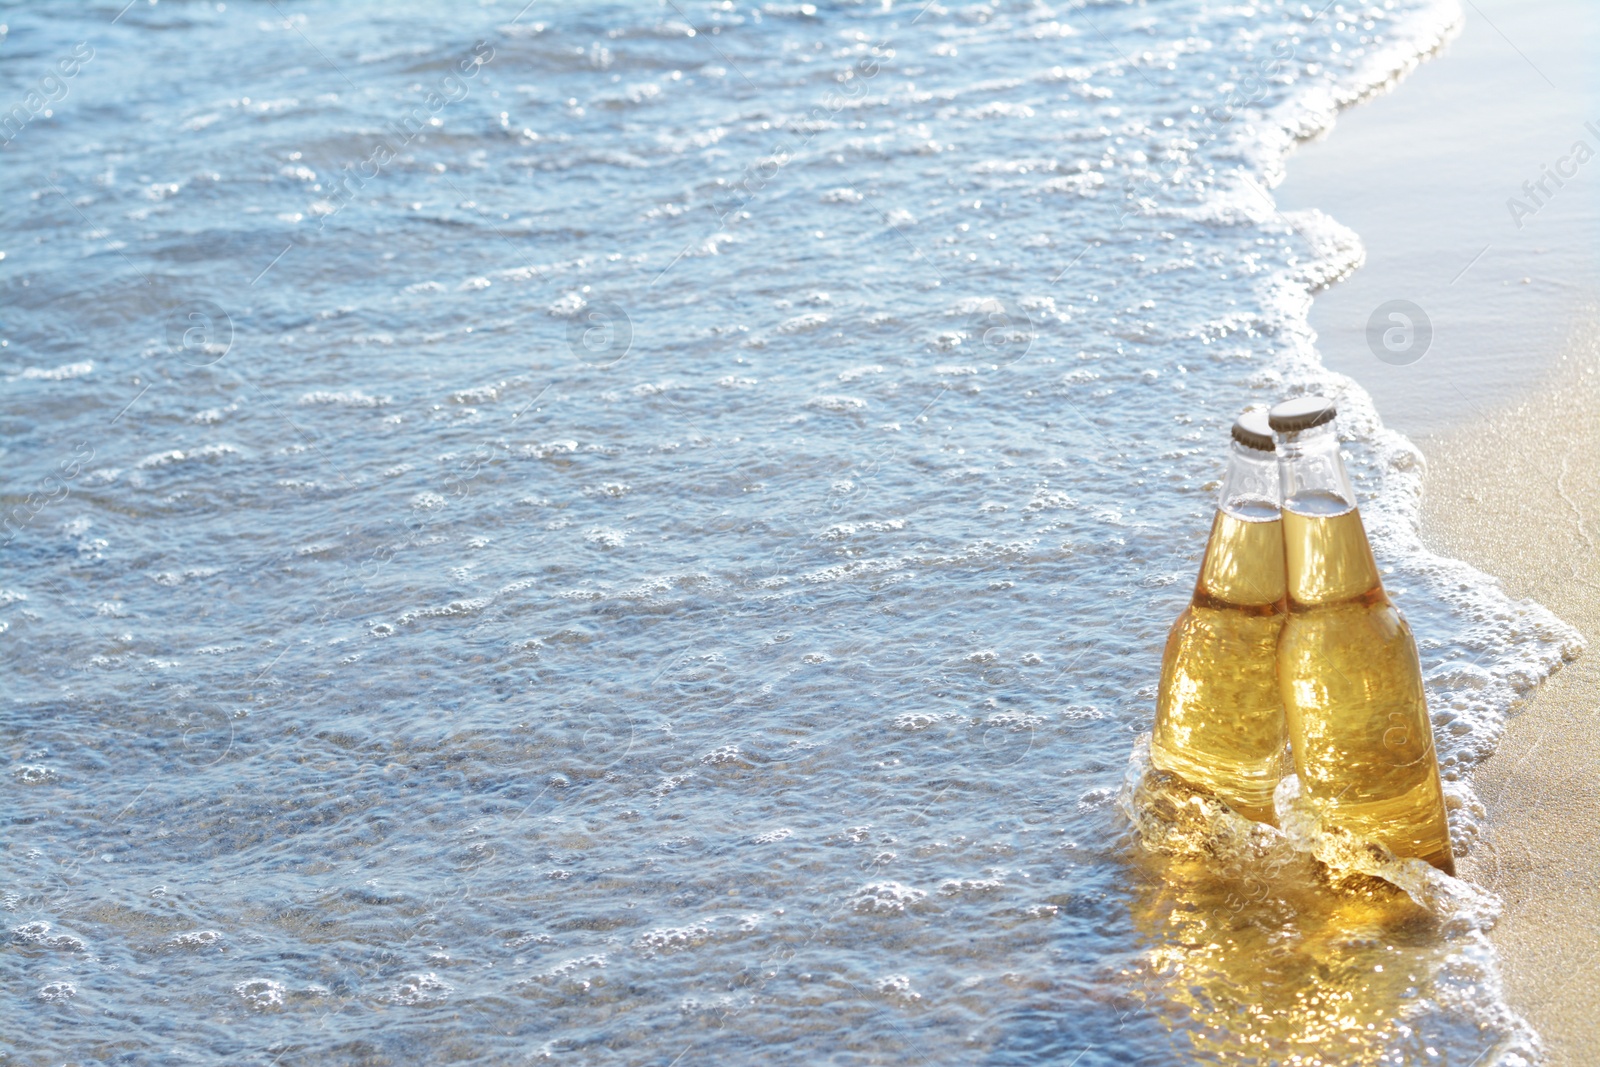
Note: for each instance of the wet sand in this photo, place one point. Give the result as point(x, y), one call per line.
point(1426, 174)
point(1505, 405)
point(1518, 495)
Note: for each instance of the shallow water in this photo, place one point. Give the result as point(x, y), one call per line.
point(674, 562)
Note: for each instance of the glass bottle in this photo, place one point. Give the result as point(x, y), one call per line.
point(1219, 717)
point(1347, 663)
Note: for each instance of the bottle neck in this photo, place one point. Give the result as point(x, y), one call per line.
point(1328, 557)
point(1243, 565)
point(1250, 488)
point(1312, 475)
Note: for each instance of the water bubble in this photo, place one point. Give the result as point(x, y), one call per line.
point(887, 897)
point(426, 988)
point(31, 774)
point(262, 994)
point(198, 939)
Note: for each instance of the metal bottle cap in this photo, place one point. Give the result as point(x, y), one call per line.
point(1301, 413)
point(1252, 431)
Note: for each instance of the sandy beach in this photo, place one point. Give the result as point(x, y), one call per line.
point(1503, 405)
point(1530, 471)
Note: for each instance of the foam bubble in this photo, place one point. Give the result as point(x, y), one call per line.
point(261, 994)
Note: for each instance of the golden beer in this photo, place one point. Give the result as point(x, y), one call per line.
point(1219, 716)
point(1347, 663)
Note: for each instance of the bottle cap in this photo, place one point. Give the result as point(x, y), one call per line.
point(1252, 431)
point(1301, 413)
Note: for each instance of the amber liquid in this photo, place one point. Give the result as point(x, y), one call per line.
point(1352, 689)
point(1219, 717)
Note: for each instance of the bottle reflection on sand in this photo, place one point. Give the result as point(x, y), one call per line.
point(1266, 962)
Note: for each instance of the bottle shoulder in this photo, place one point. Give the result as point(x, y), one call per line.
point(1243, 564)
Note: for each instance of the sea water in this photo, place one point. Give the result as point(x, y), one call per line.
point(634, 533)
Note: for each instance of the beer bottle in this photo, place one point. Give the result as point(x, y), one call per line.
point(1219, 716)
point(1347, 663)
